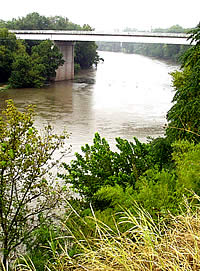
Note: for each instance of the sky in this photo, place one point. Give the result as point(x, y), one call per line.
point(109, 15)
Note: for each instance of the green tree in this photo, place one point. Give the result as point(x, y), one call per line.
point(8, 47)
point(2, 24)
point(47, 54)
point(35, 21)
point(99, 166)
point(86, 54)
point(32, 21)
point(35, 69)
point(26, 195)
point(20, 75)
point(184, 115)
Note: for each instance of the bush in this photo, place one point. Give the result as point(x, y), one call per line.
point(187, 159)
point(156, 192)
point(99, 166)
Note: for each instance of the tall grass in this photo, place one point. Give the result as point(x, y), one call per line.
point(172, 244)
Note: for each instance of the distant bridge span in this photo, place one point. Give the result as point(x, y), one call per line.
point(65, 41)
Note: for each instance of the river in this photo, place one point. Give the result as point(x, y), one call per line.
point(127, 95)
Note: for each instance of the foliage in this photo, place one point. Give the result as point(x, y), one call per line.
point(161, 190)
point(156, 192)
point(35, 69)
point(23, 69)
point(163, 51)
point(173, 29)
point(8, 47)
point(114, 196)
point(26, 194)
point(99, 166)
point(86, 54)
point(76, 68)
point(145, 245)
point(184, 115)
point(195, 34)
point(147, 172)
point(43, 241)
point(161, 151)
point(35, 21)
point(48, 54)
point(187, 159)
point(24, 74)
point(93, 169)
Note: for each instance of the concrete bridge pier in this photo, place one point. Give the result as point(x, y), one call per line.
point(66, 72)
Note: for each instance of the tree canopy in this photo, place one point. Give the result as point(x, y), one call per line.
point(184, 115)
point(35, 21)
point(9, 47)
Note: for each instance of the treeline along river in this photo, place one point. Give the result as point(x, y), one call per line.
point(127, 95)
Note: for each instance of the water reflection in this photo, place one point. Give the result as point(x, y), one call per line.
point(128, 95)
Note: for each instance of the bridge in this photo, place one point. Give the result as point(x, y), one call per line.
point(65, 41)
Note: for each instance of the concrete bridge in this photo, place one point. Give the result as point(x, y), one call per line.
point(65, 41)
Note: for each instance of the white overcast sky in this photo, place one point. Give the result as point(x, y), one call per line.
point(110, 14)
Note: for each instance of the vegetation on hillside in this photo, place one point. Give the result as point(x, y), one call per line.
point(138, 207)
point(184, 116)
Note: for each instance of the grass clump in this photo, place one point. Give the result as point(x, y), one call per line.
point(146, 245)
point(172, 243)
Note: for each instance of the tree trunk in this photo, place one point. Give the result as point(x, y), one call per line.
point(5, 255)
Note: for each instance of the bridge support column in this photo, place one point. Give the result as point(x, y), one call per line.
point(66, 72)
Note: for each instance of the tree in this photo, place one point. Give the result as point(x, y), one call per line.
point(86, 54)
point(47, 54)
point(35, 69)
point(184, 115)
point(32, 21)
point(27, 193)
point(22, 74)
point(36, 21)
point(8, 47)
point(99, 166)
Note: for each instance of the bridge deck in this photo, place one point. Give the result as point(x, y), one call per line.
point(135, 37)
